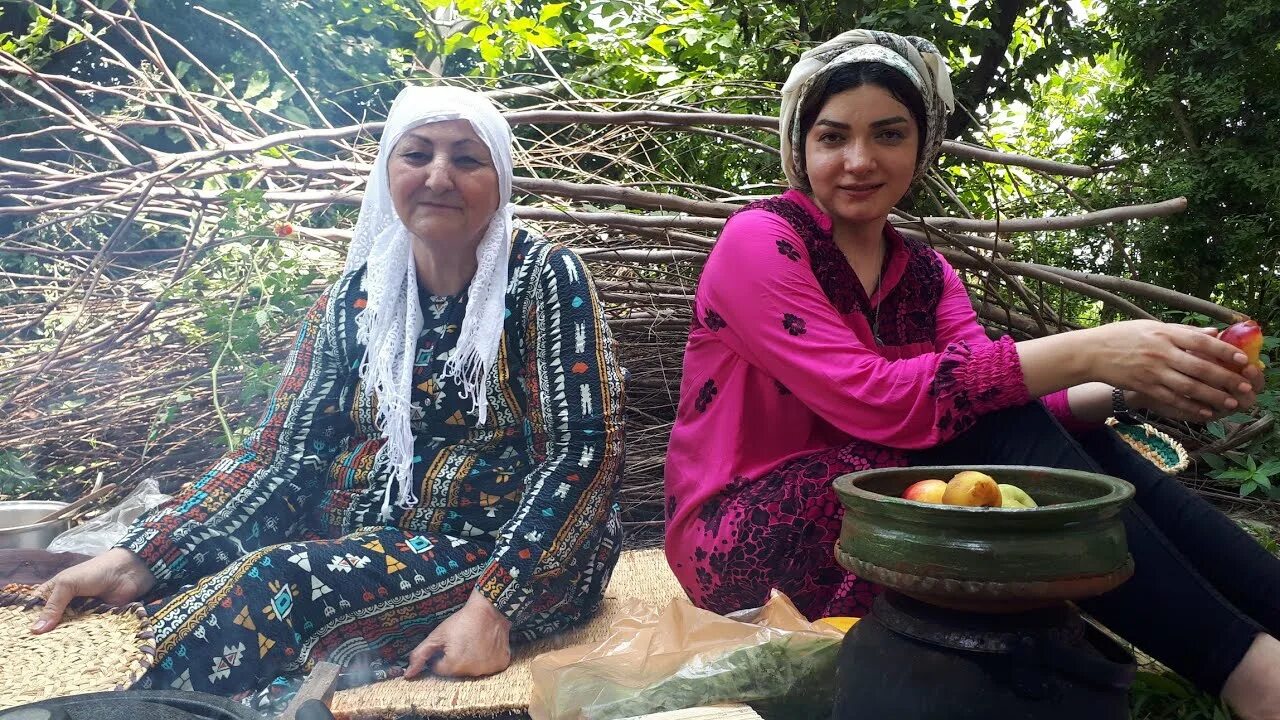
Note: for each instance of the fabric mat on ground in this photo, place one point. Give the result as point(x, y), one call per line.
point(640, 574)
point(32, 567)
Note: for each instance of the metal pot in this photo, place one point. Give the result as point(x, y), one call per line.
point(18, 527)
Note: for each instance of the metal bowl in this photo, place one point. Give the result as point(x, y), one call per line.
point(18, 527)
point(987, 559)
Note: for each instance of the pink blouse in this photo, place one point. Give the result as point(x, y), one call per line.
point(787, 356)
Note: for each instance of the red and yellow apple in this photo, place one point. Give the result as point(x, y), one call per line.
point(1247, 336)
point(925, 491)
point(972, 489)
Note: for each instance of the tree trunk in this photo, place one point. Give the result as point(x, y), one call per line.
point(978, 85)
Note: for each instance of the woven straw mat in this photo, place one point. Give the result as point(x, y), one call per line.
point(94, 648)
point(640, 574)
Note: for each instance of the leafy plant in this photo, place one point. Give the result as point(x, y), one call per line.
point(1265, 534)
point(16, 478)
point(1253, 468)
point(1246, 470)
point(1166, 696)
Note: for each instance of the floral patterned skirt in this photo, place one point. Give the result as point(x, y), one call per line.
point(779, 531)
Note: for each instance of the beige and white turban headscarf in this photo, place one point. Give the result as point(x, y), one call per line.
point(914, 57)
point(390, 323)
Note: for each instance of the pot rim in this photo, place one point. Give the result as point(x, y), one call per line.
point(38, 504)
point(847, 489)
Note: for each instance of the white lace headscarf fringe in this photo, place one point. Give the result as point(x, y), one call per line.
point(914, 57)
point(390, 323)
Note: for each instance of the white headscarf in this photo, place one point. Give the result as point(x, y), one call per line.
point(914, 57)
point(390, 323)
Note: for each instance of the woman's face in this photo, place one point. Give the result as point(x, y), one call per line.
point(444, 184)
point(860, 154)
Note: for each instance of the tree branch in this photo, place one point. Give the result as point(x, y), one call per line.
point(1063, 222)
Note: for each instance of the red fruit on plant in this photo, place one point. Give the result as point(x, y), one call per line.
point(284, 230)
point(1247, 336)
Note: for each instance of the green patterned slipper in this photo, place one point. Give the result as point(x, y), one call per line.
point(1163, 451)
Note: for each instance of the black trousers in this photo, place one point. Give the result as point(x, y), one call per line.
point(1202, 589)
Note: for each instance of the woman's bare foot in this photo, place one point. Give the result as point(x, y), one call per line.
point(1253, 688)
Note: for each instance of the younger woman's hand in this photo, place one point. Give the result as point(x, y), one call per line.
point(1176, 370)
point(1245, 399)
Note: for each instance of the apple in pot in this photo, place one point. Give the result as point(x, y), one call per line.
point(925, 491)
point(972, 489)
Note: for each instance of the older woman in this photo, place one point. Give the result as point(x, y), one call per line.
point(436, 471)
point(860, 349)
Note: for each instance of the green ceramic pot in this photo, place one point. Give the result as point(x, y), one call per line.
point(988, 559)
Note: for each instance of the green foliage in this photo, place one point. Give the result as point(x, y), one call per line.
point(1193, 111)
point(1254, 468)
point(16, 478)
point(1265, 534)
point(1249, 473)
point(342, 51)
point(1165, 696)
point(248, 290)
point(999, 50)
point(269, 286)
point(675, 42)
point(349, 53)
point(1185, 101)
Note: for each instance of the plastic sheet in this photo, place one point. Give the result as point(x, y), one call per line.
point(102, 532)
point(682, 656)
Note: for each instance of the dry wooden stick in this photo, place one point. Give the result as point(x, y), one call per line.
point(1051, 275)
point(626, 196)
point(1064, 222)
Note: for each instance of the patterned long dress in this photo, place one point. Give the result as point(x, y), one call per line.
point(276, 558)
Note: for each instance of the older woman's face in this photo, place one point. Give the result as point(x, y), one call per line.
point(444, 184)
point(860, 154)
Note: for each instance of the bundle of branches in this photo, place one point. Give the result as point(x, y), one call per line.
point(159, 245)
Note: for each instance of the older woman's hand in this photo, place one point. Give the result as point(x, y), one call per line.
point(115, 577)
point(474, 641)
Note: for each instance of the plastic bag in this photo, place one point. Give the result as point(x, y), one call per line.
point(770, 657)
point(102, 532)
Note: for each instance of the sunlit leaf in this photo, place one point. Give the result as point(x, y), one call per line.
point(550, 11)
point(258, 83)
